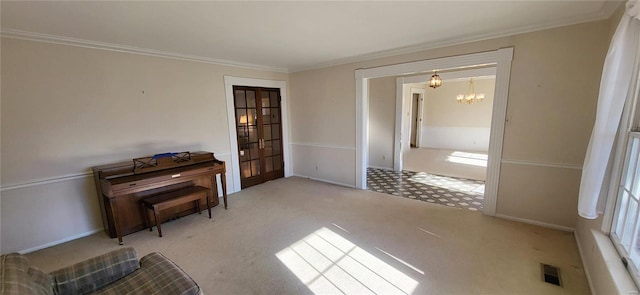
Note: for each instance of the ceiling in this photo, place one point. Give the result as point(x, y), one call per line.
point(285, 36)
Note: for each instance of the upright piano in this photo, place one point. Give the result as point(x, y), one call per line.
point(121, 187)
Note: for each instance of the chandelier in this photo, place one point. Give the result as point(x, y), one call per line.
point(435, 80)
point(471, 96)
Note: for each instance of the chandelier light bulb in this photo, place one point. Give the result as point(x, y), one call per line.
point(471, 96)
point(435, 80)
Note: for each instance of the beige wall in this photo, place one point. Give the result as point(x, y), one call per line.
point(600, 259)
point(66, 109)
point(323, 129)
point(442, 110)
point(551, 106)
point(382, 114)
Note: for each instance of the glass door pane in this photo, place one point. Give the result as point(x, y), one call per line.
point(248, 134)
point(271, 121)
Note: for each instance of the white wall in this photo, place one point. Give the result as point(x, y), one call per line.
point(450, 125)
point(456, 138)
point(382, 108)
point(66, 109)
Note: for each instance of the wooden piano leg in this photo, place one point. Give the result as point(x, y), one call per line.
point(145, 216)
point(214, 186)
point(208, 206)
point(114, 209)
point(155, 215)
point(223, 179)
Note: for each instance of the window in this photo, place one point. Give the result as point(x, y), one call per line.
point(625, 231)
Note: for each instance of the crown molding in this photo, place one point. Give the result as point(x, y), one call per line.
point(47, 38)
point(607, 10)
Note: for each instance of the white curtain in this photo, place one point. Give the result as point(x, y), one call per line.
point(616, 86)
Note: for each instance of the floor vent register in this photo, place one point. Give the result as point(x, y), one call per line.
point(551, 274)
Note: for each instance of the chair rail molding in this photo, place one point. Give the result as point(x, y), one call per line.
point(44, 181)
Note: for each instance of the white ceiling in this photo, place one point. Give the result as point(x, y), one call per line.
point(286, 36)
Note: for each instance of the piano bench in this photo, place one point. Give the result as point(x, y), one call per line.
point(171, 199)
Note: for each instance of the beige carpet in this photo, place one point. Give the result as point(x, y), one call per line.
point(338, 239)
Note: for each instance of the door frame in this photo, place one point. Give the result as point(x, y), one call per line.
point(500, 58)
point(399, 138)
point(229, 82)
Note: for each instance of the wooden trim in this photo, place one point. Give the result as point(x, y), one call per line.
point(584, 261)
point(542, 164)
point(46, 181)
point(54, 179)
point(67, 239)
point(503, 57)
point(324, 146)
point(324, 180)
point(362, 129)
point(46, 38)
point(398, 164)
point(381, 168)
point(538, 223)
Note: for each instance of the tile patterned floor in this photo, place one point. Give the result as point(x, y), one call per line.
point(449, 191)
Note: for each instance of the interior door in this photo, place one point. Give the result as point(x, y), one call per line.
point(414, 120)
point(259, 129)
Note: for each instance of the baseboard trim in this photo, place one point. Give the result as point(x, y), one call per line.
point(58, 242)
point(327, 146)
point(381, 168)
point(538, 223)
point(325, 180)
point(584, 266)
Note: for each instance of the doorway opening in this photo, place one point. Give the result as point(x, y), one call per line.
point(454, 135)
point(233, 178)
point(444, 141)
point(417, 111)
point(499, 59)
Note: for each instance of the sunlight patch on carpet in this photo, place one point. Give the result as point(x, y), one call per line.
point(450, 183)
point(330, 264)
point(466, 158)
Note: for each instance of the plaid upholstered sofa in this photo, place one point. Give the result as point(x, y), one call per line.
point(116, 272)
